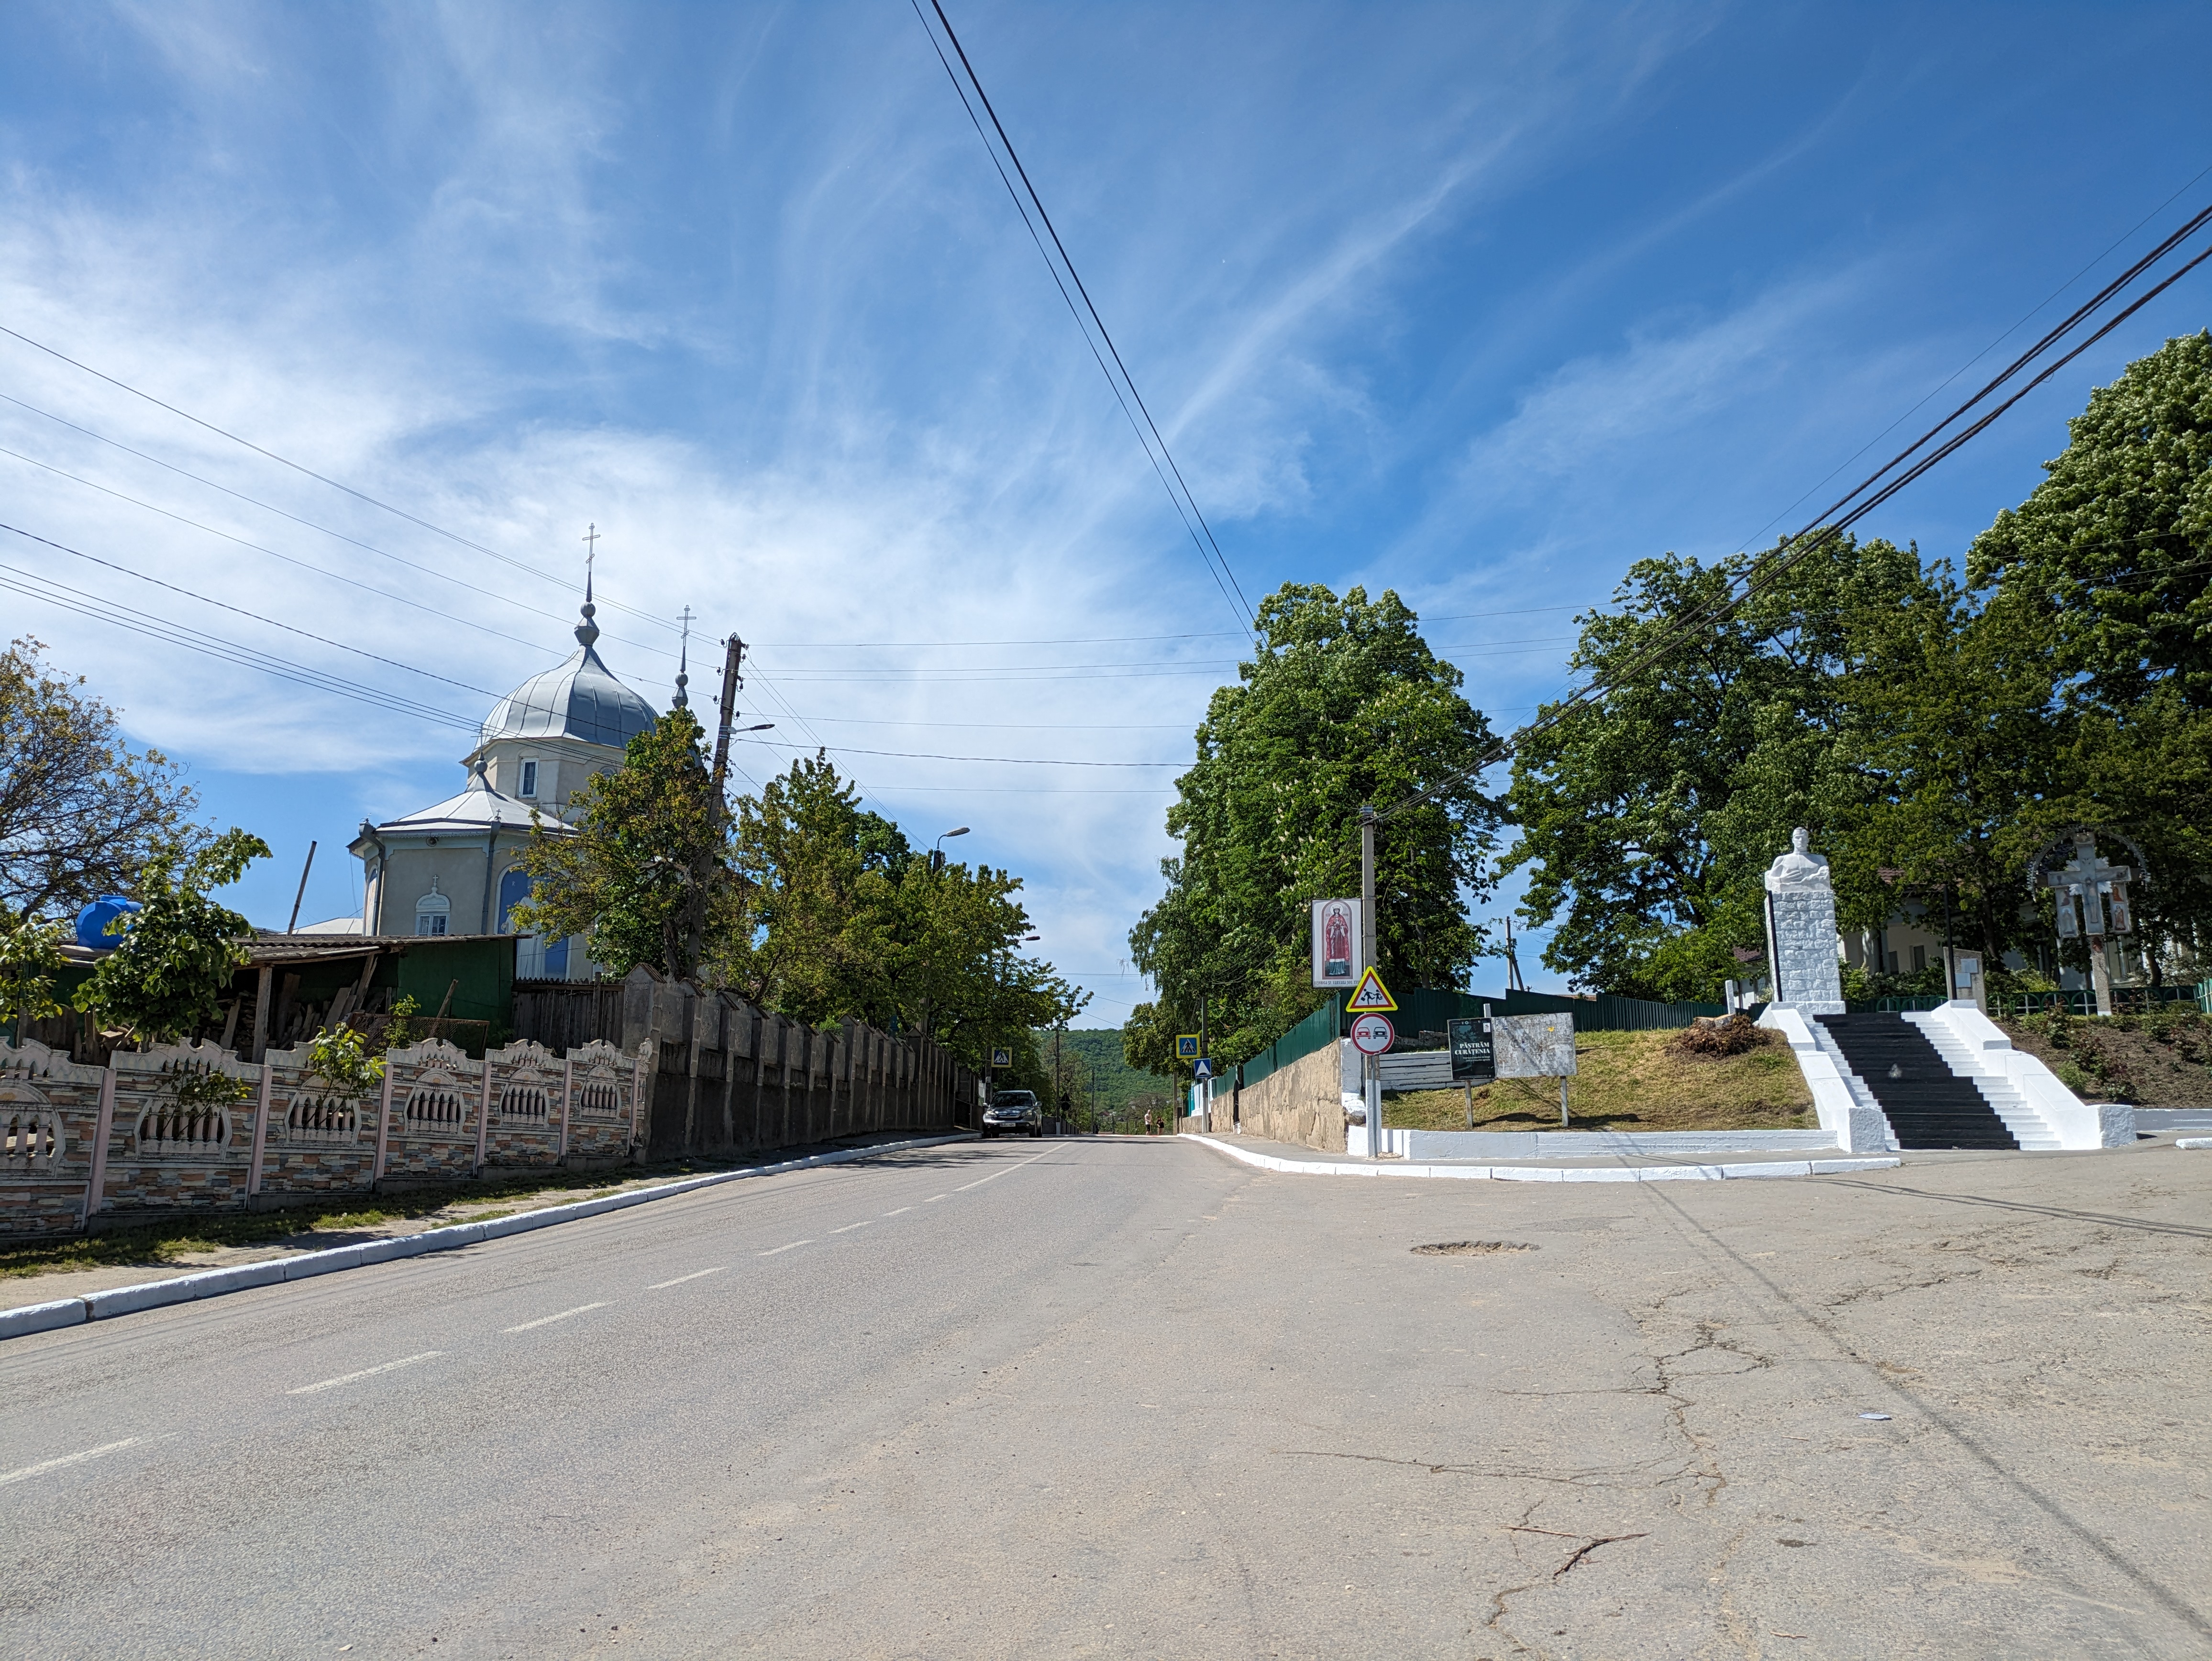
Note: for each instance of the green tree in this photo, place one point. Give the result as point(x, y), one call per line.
point(843, 918)
point(30, 963)
point(81, 814)
point(2113, 552)
point(1342, 705)
point(1950, 743)
point(1648, 814)
point(643, 873)
point(180, 949)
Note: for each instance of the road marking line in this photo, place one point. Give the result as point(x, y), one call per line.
point(366, 1372)
point(44, 1465)
point(934, 1198)
point(781, 1249)
point(547, 1320)
point(995, 1175)
point(849, 1227)
point(681, 1279)
point(894, 1214)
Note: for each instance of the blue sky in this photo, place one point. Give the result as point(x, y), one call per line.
point(1479, 303)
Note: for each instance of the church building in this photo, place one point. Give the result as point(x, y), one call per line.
point(455, 868)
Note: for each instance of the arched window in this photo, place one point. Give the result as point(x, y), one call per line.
point(513, 889)
point(434, 912)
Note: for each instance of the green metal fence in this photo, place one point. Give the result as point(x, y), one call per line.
point(1426, 1010)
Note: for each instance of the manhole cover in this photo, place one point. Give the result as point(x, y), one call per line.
point(1469, 1248)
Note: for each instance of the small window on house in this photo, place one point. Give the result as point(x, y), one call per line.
point(529, 779)
point(1919, 958)
point(434, 912)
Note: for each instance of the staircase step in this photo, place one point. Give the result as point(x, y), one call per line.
point(1929, 1104)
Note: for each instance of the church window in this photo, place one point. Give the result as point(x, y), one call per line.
point(434, 912)
point(513, 889)
point(529, 786)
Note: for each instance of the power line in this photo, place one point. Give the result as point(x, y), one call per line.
point(321, 478)
point(281, 512)
point(1855, 504)
point(1241, 605)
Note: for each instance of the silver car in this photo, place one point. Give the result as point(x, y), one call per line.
point(1013, 1113)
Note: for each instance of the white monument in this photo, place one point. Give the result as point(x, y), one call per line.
point(1800, 931)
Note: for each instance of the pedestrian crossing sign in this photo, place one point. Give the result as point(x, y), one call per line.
point(1186, 1046)
point(1372, 997)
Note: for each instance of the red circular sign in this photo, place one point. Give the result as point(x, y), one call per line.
point(1373, 1034)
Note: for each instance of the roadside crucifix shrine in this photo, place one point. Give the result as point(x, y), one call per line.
point(2085, 886)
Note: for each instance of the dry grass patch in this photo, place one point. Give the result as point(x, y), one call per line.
point(1630, 1082)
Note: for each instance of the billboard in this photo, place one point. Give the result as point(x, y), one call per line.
point(1336, 963)
point(1535, 1046)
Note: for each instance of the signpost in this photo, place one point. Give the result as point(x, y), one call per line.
point(1536, 1047)
point(1473, 1055)
point(1373, 1034)
point(1372, 997)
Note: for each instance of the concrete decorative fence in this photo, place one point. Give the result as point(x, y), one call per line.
point(697, 1073)
point(88, 1147)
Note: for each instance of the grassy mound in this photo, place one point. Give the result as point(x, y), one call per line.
point(1631, 1081)
point(2163, 1059)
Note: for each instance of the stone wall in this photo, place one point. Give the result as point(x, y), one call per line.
point(1301, 1104)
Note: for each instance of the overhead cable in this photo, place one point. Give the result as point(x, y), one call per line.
point(1217, 564)
point(1855, 504)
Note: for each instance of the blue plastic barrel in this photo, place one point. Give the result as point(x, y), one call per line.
point(92, 921)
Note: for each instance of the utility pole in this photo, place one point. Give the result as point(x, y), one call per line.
point(732, 662)
point(1205, 1086)
point(1372, 1067)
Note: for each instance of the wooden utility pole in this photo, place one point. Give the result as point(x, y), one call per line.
point(733, 660)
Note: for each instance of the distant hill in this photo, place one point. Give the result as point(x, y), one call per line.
point(1094, 1057)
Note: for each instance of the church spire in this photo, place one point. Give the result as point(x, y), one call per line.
point(682, 699)
point(588, 631)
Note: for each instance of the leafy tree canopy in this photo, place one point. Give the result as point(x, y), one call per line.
point(643, 873)
point(81, 814)
point(1647, 814)
point(180, 949)
point(842, 917)
point(2113, 552)
point(1342, 705)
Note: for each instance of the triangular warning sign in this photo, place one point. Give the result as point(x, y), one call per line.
point(1371, 997)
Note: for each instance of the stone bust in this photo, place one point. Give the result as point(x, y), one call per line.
point(1799, 869)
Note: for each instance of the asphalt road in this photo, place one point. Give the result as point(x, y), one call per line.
point(1130, 1398)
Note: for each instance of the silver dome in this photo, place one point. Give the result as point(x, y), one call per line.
point(578, 699)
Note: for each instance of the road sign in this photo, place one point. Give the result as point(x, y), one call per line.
point(1373, 1034)
point(1186, 1046)
point(1204, 1068)
point(1336, 938)
point(1473, 1052)
point(1371, 997)
point(1002, 1058)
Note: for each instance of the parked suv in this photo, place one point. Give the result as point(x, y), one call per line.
point(1012, 1113)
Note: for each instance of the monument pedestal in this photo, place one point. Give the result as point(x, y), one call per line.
point(1801, 931)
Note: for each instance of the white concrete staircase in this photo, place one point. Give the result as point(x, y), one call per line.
point(2006, 1099)
point(1861, 1097)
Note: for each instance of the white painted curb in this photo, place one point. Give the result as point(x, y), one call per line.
point(2193, 1141)
point(1657, 1173)
point(213, 1283)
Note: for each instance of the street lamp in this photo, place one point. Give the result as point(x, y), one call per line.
point(937, 848)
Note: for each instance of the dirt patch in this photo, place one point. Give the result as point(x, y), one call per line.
point(1629, 1082)
point(1730, 1035)
point(2163, 1059)
point(1469, 1248)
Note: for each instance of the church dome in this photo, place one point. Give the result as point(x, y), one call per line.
point(577, 699)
